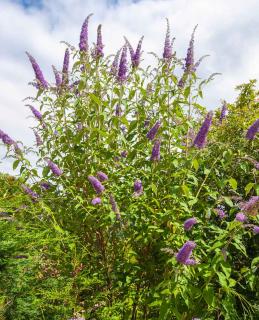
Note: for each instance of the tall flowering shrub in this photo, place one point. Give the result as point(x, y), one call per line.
point(139, 174)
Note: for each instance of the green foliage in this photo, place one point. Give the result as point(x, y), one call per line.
point(82, 259)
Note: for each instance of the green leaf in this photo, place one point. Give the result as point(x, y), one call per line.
point(195, 164)
point(209, 295)
point(248, 187)
point(228, 201)
point(233, 183)
point(186, 190)
point(15, 164)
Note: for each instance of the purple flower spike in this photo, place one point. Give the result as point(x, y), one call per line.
point(83, 44)
point(182, 81)
point(35, 112)
point(252, 131)
point(153, 131)
point(122, 73)
point(31, 193)
point(1, 134)
point(256, 229)
point(221, 214)
point(135, 55)
point(167, 54)
point(183, 256)
point(6, 139)
point(96, 201)
point(251, 206)
point(102, 176)
point(38, 73)
point(189, 60)
point(138, 188)
point(45, 185)
point(124, 154)
point(115, 208)
point(54, 168)
point(118, 110)
point(96, 184)
point(189, 223)
point(241, 217)
point(200, 139)
point(155, 156)
point(80, 126)
point(98, 52)
point(115, 63)
point(39, 142)
point(65, 67)
point(223, 112)
point(57, 76)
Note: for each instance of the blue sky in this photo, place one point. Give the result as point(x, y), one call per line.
point(29, 3)
point(228, 31)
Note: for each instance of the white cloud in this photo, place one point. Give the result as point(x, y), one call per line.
point(228, 31)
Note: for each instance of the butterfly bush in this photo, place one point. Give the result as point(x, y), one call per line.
point(122, 181)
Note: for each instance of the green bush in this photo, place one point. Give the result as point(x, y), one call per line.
point(117, 259)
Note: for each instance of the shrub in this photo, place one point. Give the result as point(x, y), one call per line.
point(135, 192)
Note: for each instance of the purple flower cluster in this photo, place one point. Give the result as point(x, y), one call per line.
point(153, 131)
point(6, 139)
point(223, 112)
point(168, 47)
point(115, 208)
point(135, 55)
point(189, 60)
point(252, 131)
point(122, 73)
point(124, 153)
point(83, 44)
point(96, 184)
point(57, 76)
point(115, 63)
point(101, 176)
point(96, 201)
point(200, 139)
point(221, 213)
point(256, 229)
point(65, 68)
point(39, 142)
point(45, 185)
point(251, 206)
point(189, 223)
point(31, 193)
point(38, 73)
point(98, 51)
point(184, 254)
point(155, 156)
point(138, 188)
point(54, 168)
point(36, 112)
point(241, 217)
point(118, 110)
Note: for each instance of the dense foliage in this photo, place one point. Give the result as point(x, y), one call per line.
point(141, 205)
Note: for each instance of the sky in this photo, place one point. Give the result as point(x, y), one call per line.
point(228, 30)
